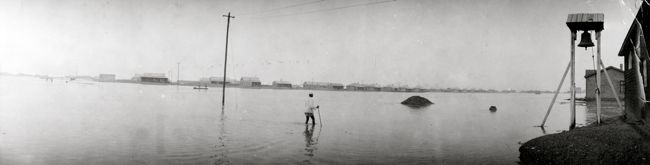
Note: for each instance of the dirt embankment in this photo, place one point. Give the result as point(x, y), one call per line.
point(612, 142)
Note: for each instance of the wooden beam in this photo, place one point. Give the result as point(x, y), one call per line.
point(573, 81)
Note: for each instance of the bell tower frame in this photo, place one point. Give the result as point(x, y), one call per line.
point(582, 22)
point(585, 22)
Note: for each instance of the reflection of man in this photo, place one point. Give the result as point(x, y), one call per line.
point(309, 141)
point(309, 133)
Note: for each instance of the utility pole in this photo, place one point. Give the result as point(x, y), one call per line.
point(169, 72)
point(225, 61)
point(178, 75)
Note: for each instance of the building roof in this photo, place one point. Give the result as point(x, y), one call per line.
point(363, 85)
point(591, 72)
point(281, 82)
point(641, 18)
point(322, 83)
point(251, 79)
point(218, 79)
point(336, 84)
point(315, 83)
point(390, 86)
point(354, 85)
point(153, 75)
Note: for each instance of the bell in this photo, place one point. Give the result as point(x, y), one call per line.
point(585, 40)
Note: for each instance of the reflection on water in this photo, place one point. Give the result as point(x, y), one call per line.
point(608, 108)
point(160, 134)
point(221, 149)
point(543, 130)
point(310, 142)
point(116, 123)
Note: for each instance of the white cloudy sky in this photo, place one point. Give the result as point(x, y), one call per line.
point(518, 44)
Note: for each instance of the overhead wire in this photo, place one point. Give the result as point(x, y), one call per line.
point(329, 9)
point(286, 7)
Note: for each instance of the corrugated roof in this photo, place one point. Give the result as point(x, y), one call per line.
point(586, 17)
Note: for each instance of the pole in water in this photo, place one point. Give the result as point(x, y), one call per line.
point(555, 96)
point(225, 62)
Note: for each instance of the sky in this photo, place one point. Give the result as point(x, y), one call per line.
point(497, 44)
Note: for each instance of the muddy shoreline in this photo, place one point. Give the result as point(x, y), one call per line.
point(611, 142)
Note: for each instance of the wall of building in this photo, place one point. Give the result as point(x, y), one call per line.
point(153, 79)
point(282, 85)
point(605, 90)
point(106, 77)
point(250, 83)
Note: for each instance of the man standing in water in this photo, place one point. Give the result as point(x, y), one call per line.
point(309, 109)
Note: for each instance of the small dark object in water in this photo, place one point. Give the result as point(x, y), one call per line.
point(493, 108)
point(199, 87)
point(416, 101)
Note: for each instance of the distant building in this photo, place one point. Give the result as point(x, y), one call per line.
point(579, 90)
point(218, 81)
point(409, 89)
point(353, 87)
point(606, 92)
point(106, 77)
point(418, 89)
point(402, 88)
point(281, 84)
point(372, 87)
point(337, 86)
point(322, 85)
point(362, 87)
point(388, 88)
point(151, 78)
point(250, 82)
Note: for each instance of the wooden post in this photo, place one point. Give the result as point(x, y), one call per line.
point(573, 81)
point(598, 77)
point(639, 110)
point(557, 91)
point(611, 85)
point(639, 104)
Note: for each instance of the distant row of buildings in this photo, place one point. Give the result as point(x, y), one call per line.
point(154, 78)
point(255, 82)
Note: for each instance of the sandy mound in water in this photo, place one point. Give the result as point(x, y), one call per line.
point(416, 101)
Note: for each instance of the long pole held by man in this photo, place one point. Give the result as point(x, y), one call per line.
point(319, 116)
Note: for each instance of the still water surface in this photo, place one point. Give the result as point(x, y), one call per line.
point(45, 122)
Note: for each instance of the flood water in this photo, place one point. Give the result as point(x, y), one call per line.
point(44, 122)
